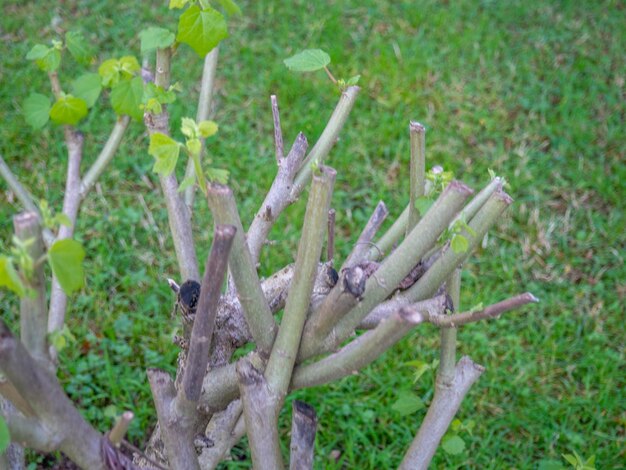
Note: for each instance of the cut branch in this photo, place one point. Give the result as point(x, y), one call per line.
point(204, 322)
point(363, 244)
point(327, 139)
point(24, 197)
point(444, 406)
point(285, 350)
point(303, 429)
point(33, 310)
point(277, 198)
point(255, 307)
point(487, 313)
point(176, 426)
point(391, 237)
point(260, 411)
point(366, 348)
point(488, 214)
point(395, 268)
point(417, 171)
point(116, 435)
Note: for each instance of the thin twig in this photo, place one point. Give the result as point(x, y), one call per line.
point(116, 435)
point(362, 245)
point(278, 133)
point(326, 141)
point(330, 244)
point(277, 198)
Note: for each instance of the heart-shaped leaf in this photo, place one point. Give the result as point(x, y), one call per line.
point(308, 60)
point(165, 150)
point(127, 96)
point(65, 258)
point(78, 46)
point(155, 38)
point(88, 87)
point(36, 110)
point(407, 403)
point(68, 110)
point(201, 29)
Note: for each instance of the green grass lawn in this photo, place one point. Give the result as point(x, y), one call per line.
point(532, 90)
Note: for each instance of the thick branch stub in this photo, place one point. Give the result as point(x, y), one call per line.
point(261, 417)
point(33, 309)
point(303, 429)
point(204, 322)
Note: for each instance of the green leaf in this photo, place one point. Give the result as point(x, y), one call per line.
point(188, 127)
point(178, 4)
point(308, 60)
point(65, 258)
point(155, 38)
point(218, 175)
point(88, 87)
point(38, 51)
point(571, 459)
point(459, 244)
point(353, 80)
point(78, 46)
point(453, 445)
point(231, 7)
point(61, 338)
point(207, 128)
point(68, 110)
point(36, 110)
point(62, 219)
point(422, 204)
point(109, 71)
point(187, 182)
point(47, 58)
point(5, 437)
point(165, 150)
point(201, 29)
point(154, 95)
point(127, 96)
point(9, 277)
point(114, 70)
point(407, 403)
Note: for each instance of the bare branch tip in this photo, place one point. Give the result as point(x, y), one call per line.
point(415, 126)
